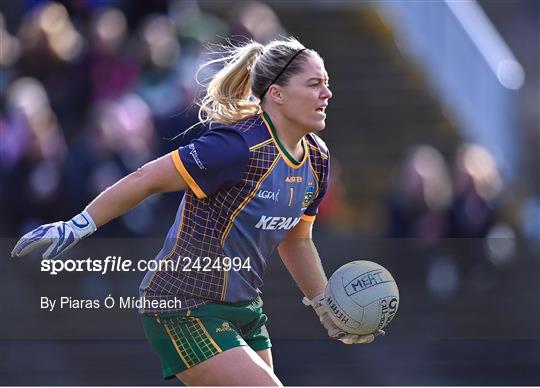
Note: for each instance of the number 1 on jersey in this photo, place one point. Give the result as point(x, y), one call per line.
point(291, 190)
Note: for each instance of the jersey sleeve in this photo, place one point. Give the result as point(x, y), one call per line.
point(311, 211)
point(212, 162)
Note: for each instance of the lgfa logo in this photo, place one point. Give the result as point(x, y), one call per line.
point(267, 194)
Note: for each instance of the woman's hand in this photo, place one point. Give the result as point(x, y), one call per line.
point(319, 305)
point(58, 236)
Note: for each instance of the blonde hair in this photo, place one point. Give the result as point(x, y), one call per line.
point(234, 92)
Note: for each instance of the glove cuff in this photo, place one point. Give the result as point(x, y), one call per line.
point(83, 224)
point(318, 303)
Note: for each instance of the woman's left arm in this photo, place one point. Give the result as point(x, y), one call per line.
point(300, 256)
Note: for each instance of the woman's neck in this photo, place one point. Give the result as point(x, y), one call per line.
point(289, 134)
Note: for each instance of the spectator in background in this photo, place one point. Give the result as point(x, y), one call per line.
point(32, 156)
point(478, 185)
point(162, 82)
point(112, 70)
point(9, 49)
point(256, 20)
point(159, 51)
point(194, 25)
point(421, 195)
point(52, 51)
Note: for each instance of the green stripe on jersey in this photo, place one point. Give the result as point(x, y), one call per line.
point(280, 145)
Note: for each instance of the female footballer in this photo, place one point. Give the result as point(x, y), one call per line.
point(252, 183)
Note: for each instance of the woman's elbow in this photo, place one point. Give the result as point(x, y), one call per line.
point(159, 176)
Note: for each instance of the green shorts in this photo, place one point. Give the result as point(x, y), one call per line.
point(187, 338)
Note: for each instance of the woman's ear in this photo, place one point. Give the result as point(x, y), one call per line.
point(276, 94)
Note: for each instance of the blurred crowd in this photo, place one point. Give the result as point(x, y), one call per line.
point(468, 202)
point(114, 80)
point(429, 201)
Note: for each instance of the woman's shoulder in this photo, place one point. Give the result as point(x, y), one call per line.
point(317, 144)
point(248, 132)
point(251, 129)
point(244, 125)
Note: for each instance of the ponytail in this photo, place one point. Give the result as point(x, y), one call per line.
point(228, 95)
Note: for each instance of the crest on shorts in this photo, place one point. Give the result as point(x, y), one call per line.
point(224, 327)
point(308, 195)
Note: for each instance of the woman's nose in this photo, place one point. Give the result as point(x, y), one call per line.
point(327, 93)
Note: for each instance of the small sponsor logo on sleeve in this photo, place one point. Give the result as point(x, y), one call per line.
point(195, 156)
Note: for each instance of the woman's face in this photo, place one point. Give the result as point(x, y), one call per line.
point(306, 95)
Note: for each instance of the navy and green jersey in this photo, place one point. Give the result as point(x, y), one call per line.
point(245, 192)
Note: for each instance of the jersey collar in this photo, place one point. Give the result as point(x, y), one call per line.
point(289, 159)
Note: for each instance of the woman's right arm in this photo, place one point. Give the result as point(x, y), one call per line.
point(157, 176)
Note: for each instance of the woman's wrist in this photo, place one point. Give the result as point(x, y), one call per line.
point(83, 224)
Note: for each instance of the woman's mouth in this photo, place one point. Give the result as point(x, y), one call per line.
point(321, 110)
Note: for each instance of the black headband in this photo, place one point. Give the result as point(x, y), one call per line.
point(281, 72)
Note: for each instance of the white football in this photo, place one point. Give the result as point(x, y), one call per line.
point(362, 297)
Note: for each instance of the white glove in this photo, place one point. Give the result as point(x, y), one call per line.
point(319, 305)
point(59, 236)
